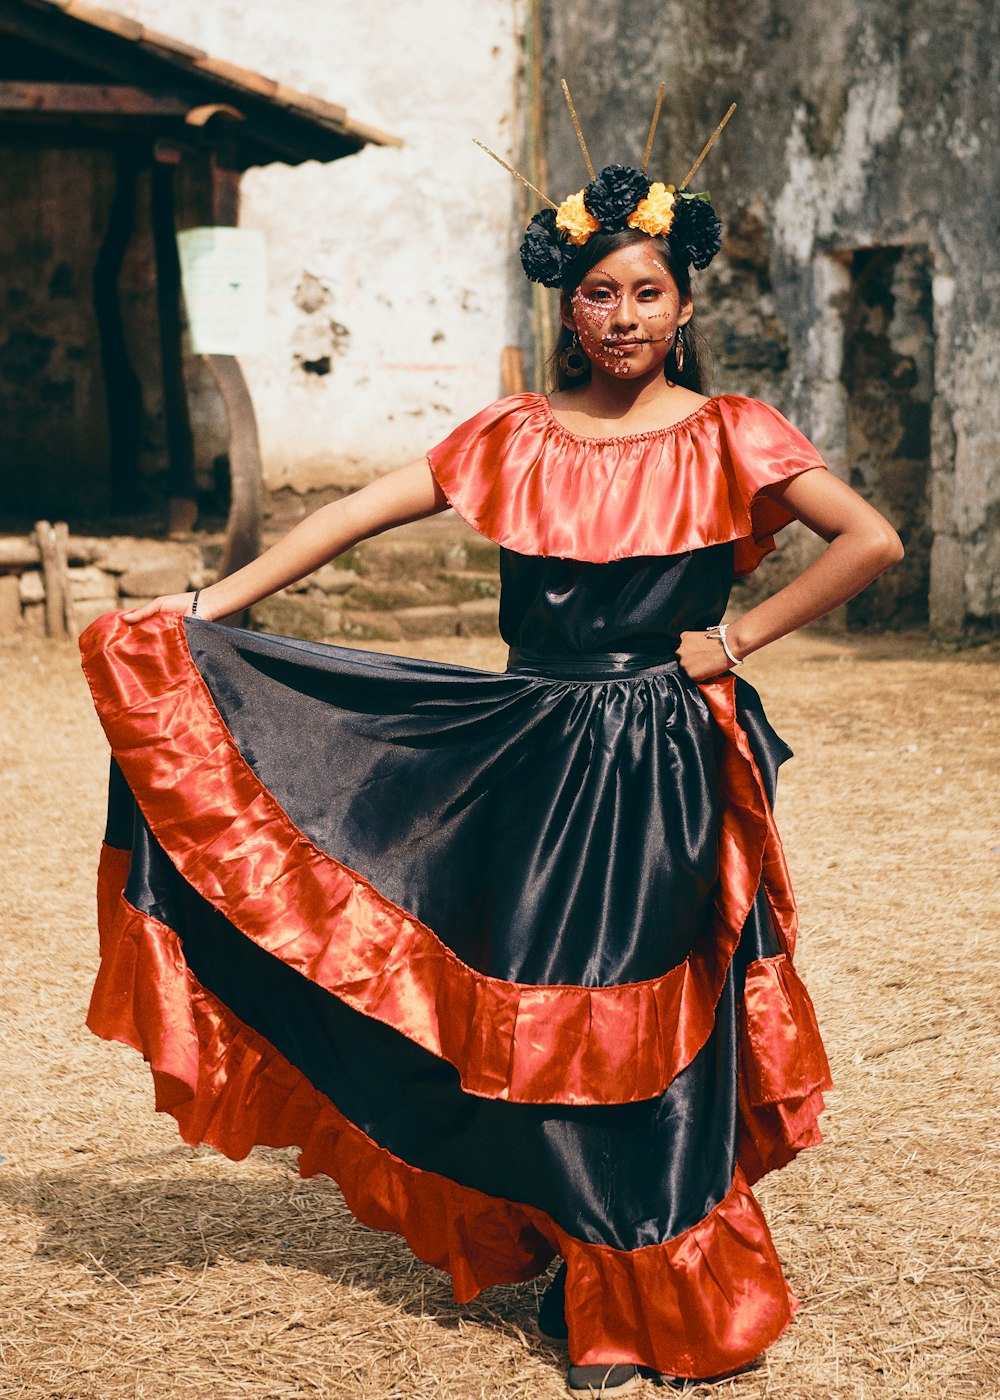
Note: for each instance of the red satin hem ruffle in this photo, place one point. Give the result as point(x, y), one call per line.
point(703, 1303)
point(518, 477)
point(234, 844)
point(783, 1068)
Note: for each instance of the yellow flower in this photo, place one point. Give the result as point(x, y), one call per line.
point(654, 214)
point(575, 219)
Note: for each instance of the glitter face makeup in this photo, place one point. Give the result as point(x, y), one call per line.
point(626, 311)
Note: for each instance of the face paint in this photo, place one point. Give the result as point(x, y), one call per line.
point(626, 311)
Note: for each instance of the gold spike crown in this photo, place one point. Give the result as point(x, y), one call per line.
point(619, 197)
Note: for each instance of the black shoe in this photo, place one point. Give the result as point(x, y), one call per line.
point(591, 1382)
point(552, 1309)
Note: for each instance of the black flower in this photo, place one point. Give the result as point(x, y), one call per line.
point(612, 196)
point(543, 252)
point(696, 232)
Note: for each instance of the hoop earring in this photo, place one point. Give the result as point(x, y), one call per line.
point(679, 349)
point(573, 362)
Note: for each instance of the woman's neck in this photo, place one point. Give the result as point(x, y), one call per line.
point(646, 402)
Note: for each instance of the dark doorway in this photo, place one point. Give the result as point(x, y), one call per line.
point(889, 376)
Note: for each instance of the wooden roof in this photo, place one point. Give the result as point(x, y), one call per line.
point(66, 60)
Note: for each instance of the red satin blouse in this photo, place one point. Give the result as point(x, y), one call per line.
point(522, 479)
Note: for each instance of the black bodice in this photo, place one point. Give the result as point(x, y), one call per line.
point(565, 607)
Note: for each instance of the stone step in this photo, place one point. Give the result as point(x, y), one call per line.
point(431, 578)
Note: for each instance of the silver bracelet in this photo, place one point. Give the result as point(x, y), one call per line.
point(719, 635)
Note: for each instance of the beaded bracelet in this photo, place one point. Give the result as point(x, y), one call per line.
point(194, 604)
point(719, 634)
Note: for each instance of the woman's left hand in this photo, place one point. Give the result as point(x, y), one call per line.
point(701, 657)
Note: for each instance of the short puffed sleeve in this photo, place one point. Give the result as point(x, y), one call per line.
point(760, 449)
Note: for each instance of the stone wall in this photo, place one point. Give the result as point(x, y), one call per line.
point(434, 578)
point(888, 376)
point(862, 125)
point(103, 574)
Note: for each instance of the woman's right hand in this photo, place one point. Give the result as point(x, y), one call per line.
point(170, 603)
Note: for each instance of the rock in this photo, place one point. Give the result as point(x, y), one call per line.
point(18, 551)
point(33, 619)
point(328, 579)
point(466, 585)
point(85, 611)
point(389, 597)
point(436, 620)
point(384, 559)
point(456, 556)
point(91, 582)
point(331, 579)
point(124, 553)
point(482, 554)
point(82, 549)
point(155, 579)
point(201, 577)
point(480, 618)
point(32, 587)
point(10, 606)
point(291, 617)
point(371, 626)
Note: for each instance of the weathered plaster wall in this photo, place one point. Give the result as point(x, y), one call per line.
point(389, 269)
point(861, 123)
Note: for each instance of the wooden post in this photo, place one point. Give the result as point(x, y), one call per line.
point(544, 328)
point(61, 535)
point(122, 388)
point(52, 574)
point(512, 369)
point(183, 507)
point(245, 478)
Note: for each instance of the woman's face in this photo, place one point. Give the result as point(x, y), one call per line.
point(626, 311)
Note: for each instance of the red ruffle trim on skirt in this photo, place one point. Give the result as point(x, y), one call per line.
point(783, 1068)
point(235, 845)
point(703, 1303)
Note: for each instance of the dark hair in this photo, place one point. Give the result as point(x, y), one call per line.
point(599, 246)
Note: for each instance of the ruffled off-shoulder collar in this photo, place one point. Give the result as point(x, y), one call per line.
point(649, 435)
point(521, 478)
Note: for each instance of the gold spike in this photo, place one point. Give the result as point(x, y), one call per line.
point(576, 127)
point(652, 128)
point(705, 150)
point(511, 171)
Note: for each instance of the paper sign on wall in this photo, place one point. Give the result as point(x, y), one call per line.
point(224, 277)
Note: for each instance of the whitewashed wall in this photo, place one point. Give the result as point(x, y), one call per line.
point(406, 249)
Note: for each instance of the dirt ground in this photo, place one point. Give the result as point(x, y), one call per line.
point(133, 1266)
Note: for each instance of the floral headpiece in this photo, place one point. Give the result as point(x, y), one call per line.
point(618, 198)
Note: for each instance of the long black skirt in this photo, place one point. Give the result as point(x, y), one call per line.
point(507, 955)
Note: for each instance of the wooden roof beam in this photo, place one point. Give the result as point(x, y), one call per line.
point(280, 123)
point(89, 99)
point(61, 34)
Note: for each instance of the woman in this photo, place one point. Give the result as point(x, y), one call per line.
point(509, 956)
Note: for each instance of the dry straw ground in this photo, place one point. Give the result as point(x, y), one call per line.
point(133, 1266)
